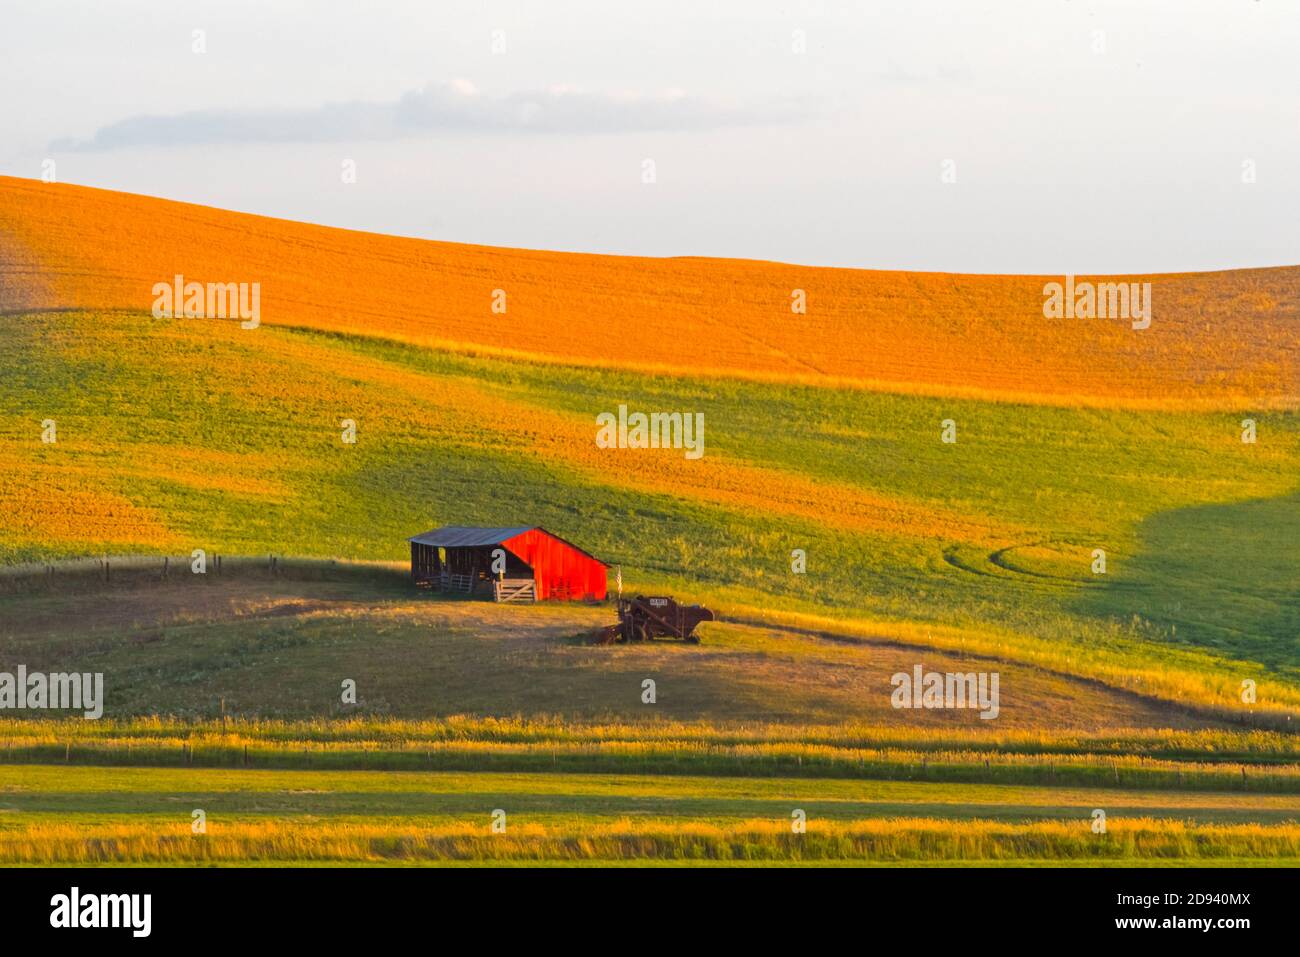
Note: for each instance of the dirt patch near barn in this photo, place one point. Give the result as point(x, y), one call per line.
point(282, 649)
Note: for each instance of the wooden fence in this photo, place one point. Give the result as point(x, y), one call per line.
point(126, 570)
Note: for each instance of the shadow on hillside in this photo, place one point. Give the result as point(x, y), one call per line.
point(1223, 577)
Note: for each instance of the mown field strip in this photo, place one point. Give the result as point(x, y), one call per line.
point(1201, 745)
point(670, 759)
point(35, 790)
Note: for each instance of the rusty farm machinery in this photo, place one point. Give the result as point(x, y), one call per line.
point(644, 619)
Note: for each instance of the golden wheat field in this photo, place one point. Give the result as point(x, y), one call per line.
point(1219, 339)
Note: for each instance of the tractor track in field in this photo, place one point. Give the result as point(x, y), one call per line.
point(1010, 572)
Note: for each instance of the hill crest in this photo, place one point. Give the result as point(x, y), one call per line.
point(1217, 340)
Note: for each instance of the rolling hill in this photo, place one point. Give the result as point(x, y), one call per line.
point(823, 431)
point(1217, 340)
point(127, 441)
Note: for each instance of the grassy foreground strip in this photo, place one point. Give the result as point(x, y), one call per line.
point(369, 732)
point(757, 840)
point(983, 761)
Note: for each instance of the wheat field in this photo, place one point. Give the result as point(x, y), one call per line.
point(1220, 340)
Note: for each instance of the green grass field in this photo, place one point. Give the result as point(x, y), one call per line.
point(202, 433)
point(970, 556)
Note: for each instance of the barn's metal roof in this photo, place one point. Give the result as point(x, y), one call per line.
point(465, 536)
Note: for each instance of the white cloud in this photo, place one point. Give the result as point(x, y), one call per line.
point(453, 106)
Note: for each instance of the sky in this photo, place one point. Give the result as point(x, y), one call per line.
point(1011, 136)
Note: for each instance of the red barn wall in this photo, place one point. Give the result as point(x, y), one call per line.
point(559, 569)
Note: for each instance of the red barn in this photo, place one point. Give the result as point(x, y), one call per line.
point(532, 564)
